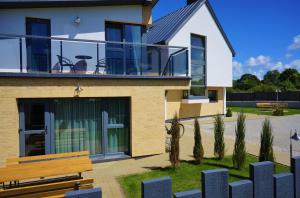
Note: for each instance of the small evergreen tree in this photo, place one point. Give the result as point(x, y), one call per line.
point(198, 151)
point(174, 131)
point(219, 147)
point(239, 152)
point(266, 142)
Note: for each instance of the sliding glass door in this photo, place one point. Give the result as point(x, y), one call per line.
point(98, 125)
point(78, 125)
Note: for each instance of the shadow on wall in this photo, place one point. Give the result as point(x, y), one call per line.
point(189, 110)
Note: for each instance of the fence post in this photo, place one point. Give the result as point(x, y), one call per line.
point(295, 168)
point(261, 174)
point(215, 183)
point(241, 189)
point(284, 185)
point(157, 188)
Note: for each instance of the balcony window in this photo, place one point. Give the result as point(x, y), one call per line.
point(198, 65)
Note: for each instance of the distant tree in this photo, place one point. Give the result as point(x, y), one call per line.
point(272, 77)
point(289, 74)
point(287, 86)
point(247, 81)
point(219, 146)
point(239, 152)
point(198, 151)
point(264, 88)
point(266, 142)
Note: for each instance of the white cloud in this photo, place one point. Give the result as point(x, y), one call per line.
point(296, 43)
point(288, 55)
point(237, 69)
point(295, 64)
point(259, 60)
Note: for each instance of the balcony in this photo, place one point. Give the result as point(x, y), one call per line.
point(22, 55)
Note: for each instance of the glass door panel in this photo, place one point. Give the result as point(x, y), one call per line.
point(78, 125)
point(34, 137)
point(118, 125)
point(38, 49)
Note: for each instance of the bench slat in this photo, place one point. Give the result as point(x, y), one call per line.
point(54, 193)
point(45, 169)
point(15, 160)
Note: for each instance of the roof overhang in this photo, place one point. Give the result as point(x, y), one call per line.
point(11, 4)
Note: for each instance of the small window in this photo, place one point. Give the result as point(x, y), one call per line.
point(213, 95)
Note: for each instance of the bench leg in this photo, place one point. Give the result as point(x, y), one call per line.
point(80, 175)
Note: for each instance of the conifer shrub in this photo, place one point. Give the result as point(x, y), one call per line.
point(198, 151)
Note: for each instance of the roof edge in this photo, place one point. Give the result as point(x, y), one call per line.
point(212, 12)
point(70, 3)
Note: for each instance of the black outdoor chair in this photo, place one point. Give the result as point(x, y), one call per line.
point(64, 62)
point(101, 64)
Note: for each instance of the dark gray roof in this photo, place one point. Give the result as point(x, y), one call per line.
point(69, 3)
point(163, 29)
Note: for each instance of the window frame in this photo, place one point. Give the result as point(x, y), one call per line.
point(204, 76)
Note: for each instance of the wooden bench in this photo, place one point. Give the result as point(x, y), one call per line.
point(18, 160)
point(269, 105)
point(55, 189)
point(45, 175)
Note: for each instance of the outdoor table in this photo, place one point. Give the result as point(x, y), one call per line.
point(42, 169)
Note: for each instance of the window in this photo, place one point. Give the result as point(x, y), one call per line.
point(198, 65)
point(123, 59)
point(213, 95)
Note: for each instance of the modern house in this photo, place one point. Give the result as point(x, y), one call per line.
point(97, 75)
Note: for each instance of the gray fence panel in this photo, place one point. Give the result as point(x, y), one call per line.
point(157, 188)
point(188, 194)
point(261, 174)
point(89, 193)
point(215, 183)
point(241, 189)
point(295, 168)
point(284, 185)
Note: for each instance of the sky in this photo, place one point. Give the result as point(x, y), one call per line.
point(264, 33)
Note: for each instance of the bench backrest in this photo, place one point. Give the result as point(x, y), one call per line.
point(50, 189)
point(17, 160)
point(271, 105)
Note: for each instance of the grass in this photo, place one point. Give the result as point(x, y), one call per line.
point(187, 176)
point(263, 112)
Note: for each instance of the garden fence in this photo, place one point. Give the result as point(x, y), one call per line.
point(264, 96)
point(263, 183)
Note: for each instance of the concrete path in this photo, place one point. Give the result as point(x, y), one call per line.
point(106, 174)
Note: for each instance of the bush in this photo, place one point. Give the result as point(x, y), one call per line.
point(174, 131)
point(198, 151)
point(266, 142)
point(219, 147)
point(239, 152)
point(229, 112)
point(278, 112)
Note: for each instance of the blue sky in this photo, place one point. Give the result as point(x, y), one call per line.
point(264, 33)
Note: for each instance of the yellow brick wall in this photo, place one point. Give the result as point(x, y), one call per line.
point(147, 106)
point(174, 105)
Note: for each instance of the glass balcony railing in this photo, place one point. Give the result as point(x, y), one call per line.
point(35, 54)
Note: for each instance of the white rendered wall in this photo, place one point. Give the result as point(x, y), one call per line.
point(218, 57)
point(92, 26)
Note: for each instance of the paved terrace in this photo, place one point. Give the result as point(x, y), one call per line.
point(105, 174)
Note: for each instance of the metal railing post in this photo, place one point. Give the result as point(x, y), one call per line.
point(21, 55)
point(61, 55)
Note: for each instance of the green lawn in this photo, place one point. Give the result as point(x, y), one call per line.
point(187, 176)
point(262, 112)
